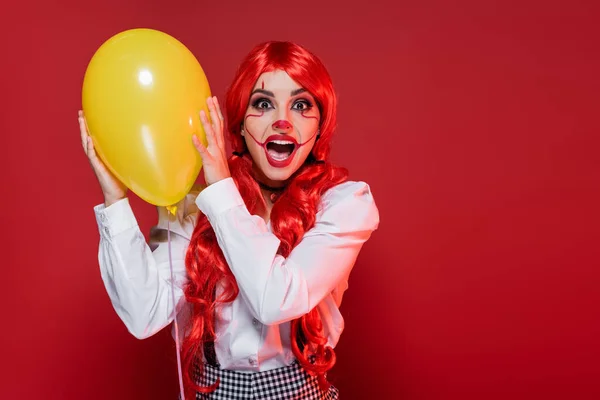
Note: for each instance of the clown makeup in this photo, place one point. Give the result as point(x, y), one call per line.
point(280, 126)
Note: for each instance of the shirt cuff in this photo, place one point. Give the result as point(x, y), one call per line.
point(219, 197)
point(115, 219)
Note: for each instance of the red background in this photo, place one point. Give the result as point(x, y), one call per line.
point(475, 124)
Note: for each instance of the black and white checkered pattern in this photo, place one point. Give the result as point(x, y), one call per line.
point(287, 383)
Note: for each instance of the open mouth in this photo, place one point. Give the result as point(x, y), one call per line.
point(280, 150)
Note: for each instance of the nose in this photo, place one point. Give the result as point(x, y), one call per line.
point(282, 124)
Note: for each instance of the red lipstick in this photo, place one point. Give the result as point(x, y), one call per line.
point(280, 139)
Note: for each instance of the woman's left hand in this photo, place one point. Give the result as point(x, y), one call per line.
point(214, 160)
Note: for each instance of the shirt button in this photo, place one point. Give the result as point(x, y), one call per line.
point(252, 361)
point(103, 217)
point(107, 231)
point(255, 322)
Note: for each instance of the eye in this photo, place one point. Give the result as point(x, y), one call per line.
point(262, 104)
point(302, 105)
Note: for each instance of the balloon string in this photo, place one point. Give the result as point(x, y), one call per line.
point(175, 311)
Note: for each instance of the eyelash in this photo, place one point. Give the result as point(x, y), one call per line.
point(307, 104)
point(256, 103)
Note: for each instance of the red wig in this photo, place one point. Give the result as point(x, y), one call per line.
point(292, 214)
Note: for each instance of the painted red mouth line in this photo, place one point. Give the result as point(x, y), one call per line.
point(250, 133)
point(274, 162)
point(264, 144)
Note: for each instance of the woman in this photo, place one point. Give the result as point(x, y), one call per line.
point(262, 255)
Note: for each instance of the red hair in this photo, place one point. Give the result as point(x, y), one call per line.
point(293, 213)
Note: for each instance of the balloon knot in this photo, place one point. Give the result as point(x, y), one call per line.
point(172, 209)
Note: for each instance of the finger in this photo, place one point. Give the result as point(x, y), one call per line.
point(83, 131)
point(97, 165)
point(216, 122)
point(204, 154)
point(221, 119)
point(208, 130)
point(95, 160)
point(90, 150)
point(92, 157)
point(218, 107)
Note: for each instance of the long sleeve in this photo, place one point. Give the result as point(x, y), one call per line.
point(136, 274)
point(279, 289)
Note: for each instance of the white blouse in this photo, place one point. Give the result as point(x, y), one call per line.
point(252, 332)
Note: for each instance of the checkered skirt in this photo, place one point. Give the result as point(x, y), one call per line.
point(286, 383)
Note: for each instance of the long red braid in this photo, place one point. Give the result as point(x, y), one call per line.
point(292, 214)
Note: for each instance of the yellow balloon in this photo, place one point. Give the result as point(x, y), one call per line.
point(142, 93)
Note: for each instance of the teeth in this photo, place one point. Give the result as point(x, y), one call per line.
point(282, 142)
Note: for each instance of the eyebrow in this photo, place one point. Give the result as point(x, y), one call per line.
point(298, 91)
point(263, 91)
point(271, 94)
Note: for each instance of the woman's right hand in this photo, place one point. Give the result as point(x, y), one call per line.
point(112, 189)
